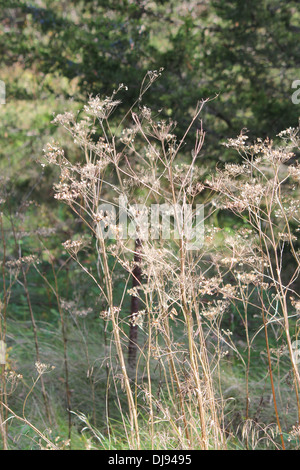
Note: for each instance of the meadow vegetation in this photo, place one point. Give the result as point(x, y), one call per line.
point(141, 340)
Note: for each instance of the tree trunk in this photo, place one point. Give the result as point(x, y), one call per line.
point(135, 305)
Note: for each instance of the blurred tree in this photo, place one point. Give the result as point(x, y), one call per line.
point(243, 53)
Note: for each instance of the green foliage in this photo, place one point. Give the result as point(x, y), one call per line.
point(245, 52)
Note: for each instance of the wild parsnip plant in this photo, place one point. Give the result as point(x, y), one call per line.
point(140, 162)
point(263, 190)
point(182, 310)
